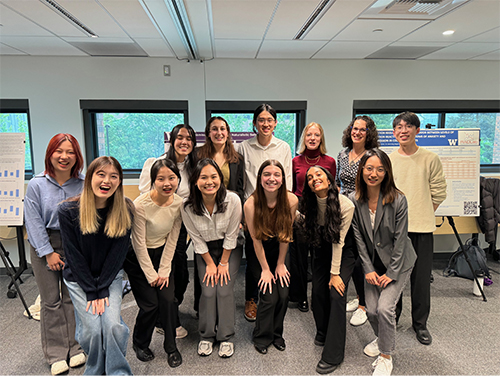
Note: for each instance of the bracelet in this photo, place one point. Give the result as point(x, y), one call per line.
point(223, 264)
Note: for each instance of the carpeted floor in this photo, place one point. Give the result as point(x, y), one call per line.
point(465, 330)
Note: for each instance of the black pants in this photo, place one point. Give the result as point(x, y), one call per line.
point(420, 280)
point(329, 307)
point(299, 252)
point(358, 278)
point(272, 305)
point(252, 270)
point(155, 304)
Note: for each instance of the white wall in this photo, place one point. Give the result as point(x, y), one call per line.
point(54, 86)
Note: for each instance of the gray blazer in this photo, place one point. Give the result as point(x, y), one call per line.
point(389, 237)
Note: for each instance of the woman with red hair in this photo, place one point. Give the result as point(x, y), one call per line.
point(60, 180)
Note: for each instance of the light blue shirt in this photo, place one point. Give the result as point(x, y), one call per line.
point(43, 196)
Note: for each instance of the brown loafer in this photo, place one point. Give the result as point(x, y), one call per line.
point(250, 310)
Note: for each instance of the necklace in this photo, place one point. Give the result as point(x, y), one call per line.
point(314, 161)
point(353, 160)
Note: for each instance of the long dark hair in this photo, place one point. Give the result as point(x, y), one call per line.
point(207, 150)
point(388, 187)
point(308, 207)
point(170, 154)
point(195, 198)
point(371, 133)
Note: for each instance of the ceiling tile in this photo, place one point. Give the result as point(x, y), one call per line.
point(289, 49)
point(241, 19)
point(462, 51)
point(15, 24)
point(7, 50)
point(155, 47)
point(43, 46)
point(232, 48)
point(131, 16)
point(492, 35)
point(348, 49)
point(367, 30)
point(492, 56)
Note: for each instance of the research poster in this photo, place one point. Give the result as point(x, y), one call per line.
point(459, 152)
point(11, 178)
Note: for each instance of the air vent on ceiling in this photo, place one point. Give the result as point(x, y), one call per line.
point(58, 9)
point(410, 9)
point(414, 6)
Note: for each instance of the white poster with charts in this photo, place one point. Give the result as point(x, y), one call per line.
point(459, 152)
point(11, 178)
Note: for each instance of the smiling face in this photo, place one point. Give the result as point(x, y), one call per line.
point(166, 182)
point(373, 172)
point(183, 144)
point(312, 138)
point(265, 124)
point(63, 159)
point(105, 181)
point(218, 132)
point(318, 181)
point(405, 133)
point(358, 133)
point(209, 181)
point(271, 178)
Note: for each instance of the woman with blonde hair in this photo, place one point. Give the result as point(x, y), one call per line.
point(312, 152)
point(61, 179)
point(95, 230)
point(269, 214)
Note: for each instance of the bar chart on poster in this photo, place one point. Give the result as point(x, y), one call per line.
point(459, 151)
point(11, 178)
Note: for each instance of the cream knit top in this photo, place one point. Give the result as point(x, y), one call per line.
point(155, 226)
point(421, 178)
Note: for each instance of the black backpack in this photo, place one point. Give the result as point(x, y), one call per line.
point(458, 266)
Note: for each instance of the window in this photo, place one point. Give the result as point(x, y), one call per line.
point(481, 114)
point(14, 118)
point(239, 115)
point(130, 131)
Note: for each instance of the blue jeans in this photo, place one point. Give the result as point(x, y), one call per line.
point(103, 337)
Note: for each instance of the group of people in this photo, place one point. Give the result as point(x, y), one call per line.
point(367, 215)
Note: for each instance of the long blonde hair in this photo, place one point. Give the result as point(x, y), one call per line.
point(119, 218)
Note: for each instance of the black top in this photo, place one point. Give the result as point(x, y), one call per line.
point(92, 260)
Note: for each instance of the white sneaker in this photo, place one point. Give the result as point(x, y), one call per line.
point(205, 348)
point(371, 349)
point(352, 305)
point(180, 332)
point(77, 360)
point(358, 317)
point(59, 367)
point(383, 366)
point(226, 349)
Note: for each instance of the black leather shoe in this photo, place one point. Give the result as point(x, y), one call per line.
point(260, 350)
point(143, 354)
point(174, 359)
point(280, 345)
point(323, 368)
point(303, 306)
point(424, 337)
